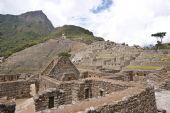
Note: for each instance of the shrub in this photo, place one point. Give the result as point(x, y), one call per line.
point(65, 54)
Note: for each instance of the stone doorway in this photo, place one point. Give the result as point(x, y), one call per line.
point(131, 77)
point(101, 93)
point(32, 90)
point(87, 93)
point(51, 102)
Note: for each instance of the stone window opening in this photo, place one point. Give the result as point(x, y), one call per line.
point(51, 102)
point(144, 74)
point(17, 77)
point(131, 77)
point(85, 76)
point(101, 92)
point(69, 78)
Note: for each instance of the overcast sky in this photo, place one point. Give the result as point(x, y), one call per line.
point(130, 21)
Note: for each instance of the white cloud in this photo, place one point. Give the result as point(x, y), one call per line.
point(130, 21)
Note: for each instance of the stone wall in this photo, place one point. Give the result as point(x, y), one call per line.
point(144, 102)
point(71, 92)
point(46, 82)
point(7, 106)
point(107, 55)
point(93, 74)
point(166, 84)
point(13, 77)
point(42, 101)
point(48, 68)
point(16, 89)
point(64, 67)
point(4, 78)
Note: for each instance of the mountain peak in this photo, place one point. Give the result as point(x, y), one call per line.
point(33, 13)
point(20, 31)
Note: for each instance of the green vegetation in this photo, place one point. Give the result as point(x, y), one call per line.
point(75, 33)
point(22, 31)
point(31, 28)
point(144, 67)
point(159, 45)
point(65, 54)
point(159, 35)
point(157, 57)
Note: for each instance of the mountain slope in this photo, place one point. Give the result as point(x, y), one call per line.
point(34, 59)
point(21, 31)
point(75, 33)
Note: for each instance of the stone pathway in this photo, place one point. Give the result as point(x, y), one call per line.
point(25, 106)
point(163, 100)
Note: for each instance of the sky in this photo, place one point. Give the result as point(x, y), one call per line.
point(129, 21)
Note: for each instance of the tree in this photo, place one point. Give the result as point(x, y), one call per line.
point(158, 45)
point(159, 35)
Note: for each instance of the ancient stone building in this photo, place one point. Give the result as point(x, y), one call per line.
point(86, 90)
point(62, 69)
point(62, 87)
point(89, 95)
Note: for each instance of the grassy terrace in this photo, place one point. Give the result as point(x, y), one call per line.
point(168, 57)
point(143, 67)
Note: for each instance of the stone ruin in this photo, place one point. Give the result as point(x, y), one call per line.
point(105, 56)
point(62, 88)
point(93, 89)
point(62, 69)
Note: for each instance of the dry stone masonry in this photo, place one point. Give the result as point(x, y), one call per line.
point(99, 89)
point(108, 55)
point(144, 102)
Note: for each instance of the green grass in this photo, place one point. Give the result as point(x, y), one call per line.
point(143, 67)
point(76, 33)
point(157, 57)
